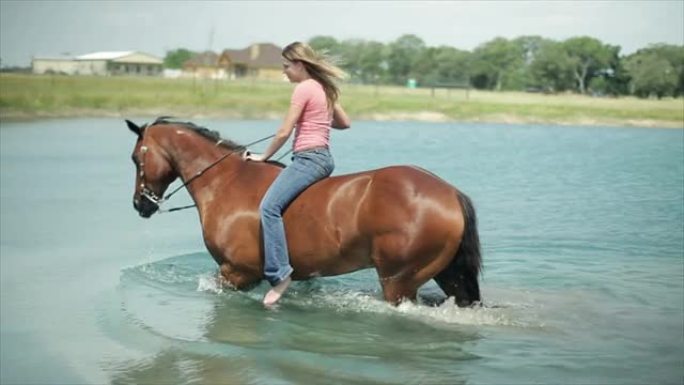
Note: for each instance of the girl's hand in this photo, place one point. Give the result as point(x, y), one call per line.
point(340, 119)
point(254, 157)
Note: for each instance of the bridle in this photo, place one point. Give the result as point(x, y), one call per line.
point(157, 201)
point(146, 192)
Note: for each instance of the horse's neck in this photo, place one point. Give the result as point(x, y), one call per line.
point(190, 155)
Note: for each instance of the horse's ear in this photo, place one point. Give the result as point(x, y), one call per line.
point(134, 127)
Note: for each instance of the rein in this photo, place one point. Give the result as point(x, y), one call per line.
point(160, 201)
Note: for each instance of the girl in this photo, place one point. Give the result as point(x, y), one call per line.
point(314, 109)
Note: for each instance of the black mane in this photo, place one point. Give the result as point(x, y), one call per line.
point(211, 135)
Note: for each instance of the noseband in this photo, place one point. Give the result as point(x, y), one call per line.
point(145, 191)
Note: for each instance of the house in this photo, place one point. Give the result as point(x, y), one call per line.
point(205, 66)
point(53, 65)
point(101, 64)
point(259, 61)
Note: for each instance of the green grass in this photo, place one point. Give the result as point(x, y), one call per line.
point(33, 96)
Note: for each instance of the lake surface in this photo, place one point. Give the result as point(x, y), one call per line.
point(582, 231)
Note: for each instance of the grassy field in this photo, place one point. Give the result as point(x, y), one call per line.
point(33, 96)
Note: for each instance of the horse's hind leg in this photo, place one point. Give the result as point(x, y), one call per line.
point(460, 284)
point(389, 256)
point(401, 280)
point(447, 285)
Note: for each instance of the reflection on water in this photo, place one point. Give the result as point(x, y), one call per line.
point(336, 328)
point(323, 330)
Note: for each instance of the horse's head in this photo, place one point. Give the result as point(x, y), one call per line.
point(154, 173)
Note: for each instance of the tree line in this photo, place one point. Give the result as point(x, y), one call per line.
point(528, 63)
point(579, 64)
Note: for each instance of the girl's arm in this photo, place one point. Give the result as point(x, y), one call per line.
point(340, 119)
point(281, 135)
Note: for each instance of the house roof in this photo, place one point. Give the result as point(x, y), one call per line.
point(121, 57)
point(260, 55)
point(54, 58)
point(111, 55)
point(204, 59)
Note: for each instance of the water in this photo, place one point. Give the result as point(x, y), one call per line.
point(582, 230)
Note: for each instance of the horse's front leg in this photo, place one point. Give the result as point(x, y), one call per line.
point(236, 279)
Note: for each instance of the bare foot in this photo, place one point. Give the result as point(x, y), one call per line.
point(276, 292)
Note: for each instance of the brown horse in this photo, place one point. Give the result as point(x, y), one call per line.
point(405, 222)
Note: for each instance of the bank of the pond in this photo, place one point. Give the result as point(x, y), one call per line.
point(26, 97)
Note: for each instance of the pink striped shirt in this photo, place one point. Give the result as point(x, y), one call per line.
point(313, 127)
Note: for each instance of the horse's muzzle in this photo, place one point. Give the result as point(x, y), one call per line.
point(145, 207)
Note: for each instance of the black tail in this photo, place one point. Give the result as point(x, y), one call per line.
point(460, 277)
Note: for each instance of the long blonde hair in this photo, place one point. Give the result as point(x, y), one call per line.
point(319, 67)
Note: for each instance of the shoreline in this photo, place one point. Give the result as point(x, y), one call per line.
point(31, 97)
point(9, 115)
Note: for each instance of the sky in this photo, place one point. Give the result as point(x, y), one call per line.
point(49, 28)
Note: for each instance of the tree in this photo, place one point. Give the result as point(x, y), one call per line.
point(552, 69)
point(675, 56)
point(372, 62)
point(651, 74)
point(363, 60)
point(424, 68)
point(588, 57)
point(325, 44)
point(351, 52)
point(176, 58)
point(614, 80)
point(529, 47)
point(494, 63)
point(445, 65)
point(452, 65)
point(402, 55)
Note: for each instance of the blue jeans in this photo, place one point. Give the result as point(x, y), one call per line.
point(307, 167)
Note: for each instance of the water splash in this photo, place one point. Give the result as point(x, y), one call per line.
point(354, 293)
point(209, 283)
